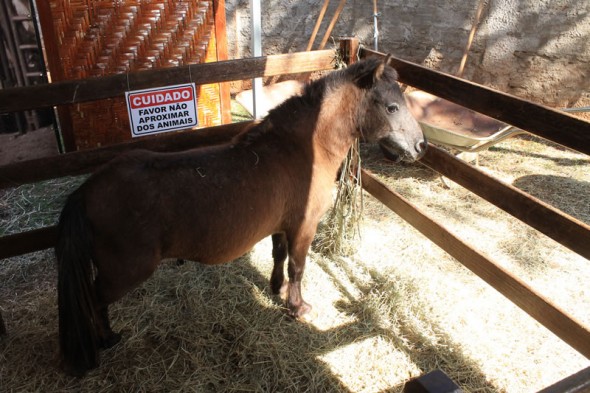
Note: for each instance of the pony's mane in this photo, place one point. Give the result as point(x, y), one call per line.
point(310, 99)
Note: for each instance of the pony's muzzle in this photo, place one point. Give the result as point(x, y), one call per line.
point(421, 147)
point(395, 152)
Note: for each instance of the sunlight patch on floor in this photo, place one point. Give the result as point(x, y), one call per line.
point(370, 365)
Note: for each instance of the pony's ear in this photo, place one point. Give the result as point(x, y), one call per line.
point(370, 74)
point(381, 68)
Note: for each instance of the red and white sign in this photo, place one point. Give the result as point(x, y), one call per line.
point(169, 108)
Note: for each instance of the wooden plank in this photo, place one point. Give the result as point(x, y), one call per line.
point(25, 242)
point(46, 24)
point(540, 120)
point(91, 89)
point(76, 163)
point(222, 54)
point(570, 232)
point(576, 383)
point(541, 309)
point(55, 69)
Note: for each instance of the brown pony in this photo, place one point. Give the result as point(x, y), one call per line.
point(214, 204)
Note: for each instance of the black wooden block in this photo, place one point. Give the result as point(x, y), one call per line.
point(434, 382)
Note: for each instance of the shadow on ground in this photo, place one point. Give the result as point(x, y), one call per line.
point(209, 329)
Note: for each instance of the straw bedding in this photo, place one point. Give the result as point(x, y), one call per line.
point(394, 308)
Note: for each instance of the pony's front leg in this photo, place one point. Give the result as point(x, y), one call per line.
point(298, 248)
point(279, 255)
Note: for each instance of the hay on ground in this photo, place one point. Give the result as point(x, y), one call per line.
point(393, 309)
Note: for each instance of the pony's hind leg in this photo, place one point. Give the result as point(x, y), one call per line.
point(105, 335)
point(279, 255)
point(113, 281)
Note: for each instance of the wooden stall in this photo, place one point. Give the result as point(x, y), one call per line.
point(99, 38)
point(537, 119)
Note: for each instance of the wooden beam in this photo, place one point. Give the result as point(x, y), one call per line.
point(26, 242)
point(540, 120)
point(570, 232)
point(222, 54)
point(576, 383)
point(91, 89)
point(517, 291)
point(77, 163)
point(51, 46)
point(55, 69)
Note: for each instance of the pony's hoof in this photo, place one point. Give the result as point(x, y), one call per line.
point(280, 288)
point(276, 286)
point(110, 341)
point(77, 370)
point(302, 312)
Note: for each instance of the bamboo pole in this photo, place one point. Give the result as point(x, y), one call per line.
point(331, 25)
point(317, 25)
point(471, 36)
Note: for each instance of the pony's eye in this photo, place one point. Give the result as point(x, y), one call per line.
point(392, 108)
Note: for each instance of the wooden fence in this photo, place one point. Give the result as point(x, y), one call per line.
point(545, 122)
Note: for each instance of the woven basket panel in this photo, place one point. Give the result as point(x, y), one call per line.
point(97, 38)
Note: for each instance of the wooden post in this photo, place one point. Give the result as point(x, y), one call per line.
point(349, 48)
point(222, 54)
point(55, 70)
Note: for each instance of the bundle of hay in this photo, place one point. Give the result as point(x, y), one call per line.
point(339, 232)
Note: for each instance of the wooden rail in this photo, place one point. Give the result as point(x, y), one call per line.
point(561, 227)
point(91, 89)
point(29, 241)
point(86, 161)
point(576, 383)
point(540, 120)
point(549, 315)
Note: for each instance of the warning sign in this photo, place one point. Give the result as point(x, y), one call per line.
point(169, 108)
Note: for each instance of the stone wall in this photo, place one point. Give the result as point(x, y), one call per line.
point(536, 49)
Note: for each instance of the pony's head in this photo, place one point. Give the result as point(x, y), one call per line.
point(385, 117)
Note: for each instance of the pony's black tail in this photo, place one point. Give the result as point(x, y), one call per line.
point(75, 289)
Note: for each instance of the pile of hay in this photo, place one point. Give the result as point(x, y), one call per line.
point(393, 309)
point(339, 231)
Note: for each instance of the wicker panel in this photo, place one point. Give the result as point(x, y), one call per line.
point(97, 38)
